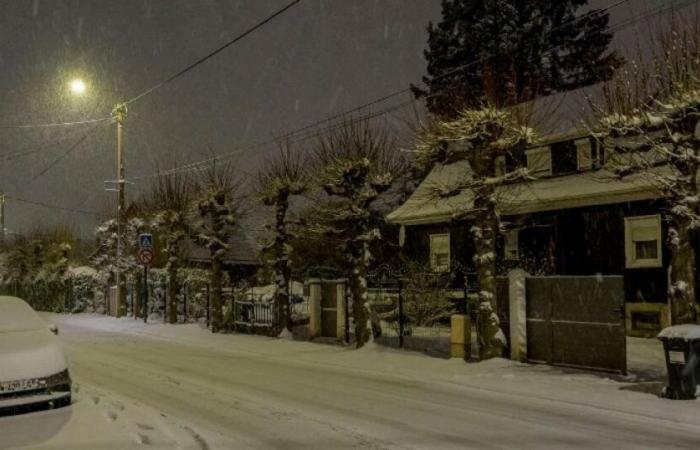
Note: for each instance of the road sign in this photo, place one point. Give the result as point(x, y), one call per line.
point(146, 241)
point(145, 256)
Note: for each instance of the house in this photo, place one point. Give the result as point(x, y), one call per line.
point(241, 260)
point(574, 218)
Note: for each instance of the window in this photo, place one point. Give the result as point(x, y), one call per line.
point(564, 158)
point(643, 242)
point(511, 245)
point(539, 161)
point(440, 252)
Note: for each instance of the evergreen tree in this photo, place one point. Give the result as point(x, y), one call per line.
point(511, 51)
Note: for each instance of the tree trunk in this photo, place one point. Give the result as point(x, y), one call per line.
point(484, 230)
point(172, 292)
point(282, 272)
point(358, 288)
point(216, 275)
point(681, 288)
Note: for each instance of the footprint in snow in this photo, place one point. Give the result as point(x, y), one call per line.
point(142, 439)
point(119, 406)
point(203, 444)
point(144, 427)
point(111, 415)
point(95, 399)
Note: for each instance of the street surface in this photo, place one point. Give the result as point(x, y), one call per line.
point(160, 386)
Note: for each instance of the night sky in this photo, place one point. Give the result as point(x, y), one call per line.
point(320, 58)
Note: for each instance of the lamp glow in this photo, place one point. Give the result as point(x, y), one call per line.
point(77, 86)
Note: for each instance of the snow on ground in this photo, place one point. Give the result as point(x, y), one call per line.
point(239, 391)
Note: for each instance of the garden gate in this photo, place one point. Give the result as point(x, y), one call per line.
point(577, 322)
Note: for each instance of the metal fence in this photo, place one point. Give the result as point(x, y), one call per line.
point(412, 310)
point(250, 313)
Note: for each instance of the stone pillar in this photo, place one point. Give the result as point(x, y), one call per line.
point(517, 295)
point(461, 336)
point(340, 298)
point(314, 308)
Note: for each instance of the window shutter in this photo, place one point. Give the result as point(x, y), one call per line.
point(584, 154)
point(539, 161)
point(511, 245)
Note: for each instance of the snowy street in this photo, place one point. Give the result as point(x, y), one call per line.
point(161, 386)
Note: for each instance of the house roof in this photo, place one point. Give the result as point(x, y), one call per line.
point(241, 251)
point(441, 197)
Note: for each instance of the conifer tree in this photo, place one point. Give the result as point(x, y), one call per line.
point(511, 51)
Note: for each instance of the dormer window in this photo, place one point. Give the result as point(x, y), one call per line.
point(539, 161)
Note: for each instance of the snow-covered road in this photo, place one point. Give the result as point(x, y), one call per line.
point(182, 387)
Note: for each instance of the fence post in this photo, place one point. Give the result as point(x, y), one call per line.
point(400, 283)
point(185, 287)
point(347, 312)
point(208, 304)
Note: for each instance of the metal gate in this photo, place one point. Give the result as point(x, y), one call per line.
point(577, 322)
point(329, 310)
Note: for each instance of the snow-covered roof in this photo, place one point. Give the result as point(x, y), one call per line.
point(439, 198)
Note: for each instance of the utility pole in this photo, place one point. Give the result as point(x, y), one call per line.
point(2, 217)
point(119, 114)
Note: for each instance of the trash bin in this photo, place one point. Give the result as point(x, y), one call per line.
point(682, 348)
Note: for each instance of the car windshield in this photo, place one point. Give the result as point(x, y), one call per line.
point(17, 315)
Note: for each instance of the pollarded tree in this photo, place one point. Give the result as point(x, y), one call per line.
point(219, 212)
point(512, 51)
point(170, 204)
point(480, 136)
point(356, 164)
point(104, 258)
point(649, 126)
point(279, 180)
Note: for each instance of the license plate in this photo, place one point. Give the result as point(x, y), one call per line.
point(22, 385)
point(676, 357)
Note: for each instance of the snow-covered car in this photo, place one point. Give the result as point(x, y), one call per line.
point(33, 370)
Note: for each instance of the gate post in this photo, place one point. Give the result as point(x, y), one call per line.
point(461, 336)
point(314, 307)
point(342, 314)
point(517, 295)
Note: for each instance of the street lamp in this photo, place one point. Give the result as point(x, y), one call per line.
point(78, 87)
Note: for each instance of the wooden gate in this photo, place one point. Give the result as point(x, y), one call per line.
point(577, 322)
point(329, 310)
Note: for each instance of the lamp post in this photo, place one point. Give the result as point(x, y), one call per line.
point(78, 87)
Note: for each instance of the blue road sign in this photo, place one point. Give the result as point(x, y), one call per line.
point(146, 241)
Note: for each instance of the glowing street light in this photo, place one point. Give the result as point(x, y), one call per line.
point(77, 86)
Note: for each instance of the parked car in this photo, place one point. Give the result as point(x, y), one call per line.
point(33, 370)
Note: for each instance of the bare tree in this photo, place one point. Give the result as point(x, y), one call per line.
point(219, 214)
point(279, 180)
point(170, 203)
point(480, 136)
point(649, 125)
point(356, 163)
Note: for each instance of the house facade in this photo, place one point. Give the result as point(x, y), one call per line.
point(574, 218)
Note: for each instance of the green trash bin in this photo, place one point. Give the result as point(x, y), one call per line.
point(682, 348)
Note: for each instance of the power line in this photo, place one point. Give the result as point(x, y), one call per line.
point(66, 153)
point(215, 52)
point(450, 72)
point(49, 206)
point(54, 124)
